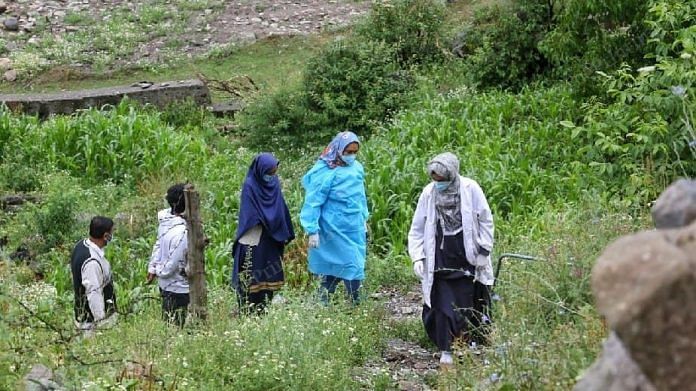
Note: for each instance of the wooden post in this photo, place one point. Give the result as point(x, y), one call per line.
point(196, 254)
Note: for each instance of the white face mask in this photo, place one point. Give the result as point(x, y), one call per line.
point(349, 159)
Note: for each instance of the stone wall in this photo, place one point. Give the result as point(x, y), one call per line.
point(158, 94)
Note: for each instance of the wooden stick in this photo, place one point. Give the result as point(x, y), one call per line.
point(196, 254)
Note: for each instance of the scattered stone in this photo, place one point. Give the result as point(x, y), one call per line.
point(5, 64)
point(41, 378)
point(676, 206)
point(226, 109)
point(11, 24)
point(21, 254)
point(10, 75)
point(16, 200)
point(247, 38)
point(3, 8)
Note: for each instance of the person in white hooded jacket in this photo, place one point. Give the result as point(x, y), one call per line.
point(449, 242)
point(168, 259)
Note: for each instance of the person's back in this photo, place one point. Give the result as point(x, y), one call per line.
point(169, 258)
point(173, 243)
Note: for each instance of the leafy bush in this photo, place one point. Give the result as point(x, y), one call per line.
point(500, 47)
point(349, 85)
point(56, 218)
point(593, 36)
point(19, 177)
point(354, 85)
point(281, 117)
point(412, 27)
point(644, 132)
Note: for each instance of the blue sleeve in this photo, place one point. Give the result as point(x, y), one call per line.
point(317, 185)
point(365, 210)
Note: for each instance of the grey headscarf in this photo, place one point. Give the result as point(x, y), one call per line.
point(447, 202)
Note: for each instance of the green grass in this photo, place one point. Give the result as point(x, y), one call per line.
point(271, 63)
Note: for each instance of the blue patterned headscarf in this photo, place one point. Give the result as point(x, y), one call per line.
point(332, 153)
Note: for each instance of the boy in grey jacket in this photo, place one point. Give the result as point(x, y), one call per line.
point(168, 260)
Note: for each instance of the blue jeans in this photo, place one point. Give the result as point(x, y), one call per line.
point(329, 284)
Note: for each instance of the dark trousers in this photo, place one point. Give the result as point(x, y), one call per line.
point(174, 307)
point(330, 283)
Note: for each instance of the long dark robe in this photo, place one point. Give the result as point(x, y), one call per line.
point(258, 271)
point(459, 305)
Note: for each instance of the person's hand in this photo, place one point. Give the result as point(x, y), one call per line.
point(314, 241)
point(418, 267)
point(150, 277)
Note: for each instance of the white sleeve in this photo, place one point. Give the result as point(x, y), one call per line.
point(416, 235)
point(92, 280)
point(484, 219)
point(154, 257)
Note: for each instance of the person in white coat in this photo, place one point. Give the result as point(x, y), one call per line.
point(450, 242)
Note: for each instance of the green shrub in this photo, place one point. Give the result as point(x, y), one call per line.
point(644, 130)
point(55, 219)
point(19, 177)
point(593, 36)
point(355, 85)
point(500, 47)
point(278, 117)
point(349, 85)
point(412, 27)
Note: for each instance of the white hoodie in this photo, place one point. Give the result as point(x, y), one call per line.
point(168, 259)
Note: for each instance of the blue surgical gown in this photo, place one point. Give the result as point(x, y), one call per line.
point(335, 206)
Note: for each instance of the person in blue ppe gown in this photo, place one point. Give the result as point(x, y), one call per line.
point(265, 227)
point(334, 215)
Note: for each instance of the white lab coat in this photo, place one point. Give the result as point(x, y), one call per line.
point(477, 224)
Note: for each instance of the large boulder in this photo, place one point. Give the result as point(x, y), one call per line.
point(614, 370)
point(676, 206)
point(645, 286)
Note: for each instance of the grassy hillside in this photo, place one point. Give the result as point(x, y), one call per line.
point(565, 174)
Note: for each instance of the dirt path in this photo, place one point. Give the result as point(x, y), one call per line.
point(408, 364)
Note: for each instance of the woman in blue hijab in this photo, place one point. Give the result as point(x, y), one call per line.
point(334, 215)
point(264, 229)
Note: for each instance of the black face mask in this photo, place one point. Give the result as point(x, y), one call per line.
point(108, 238)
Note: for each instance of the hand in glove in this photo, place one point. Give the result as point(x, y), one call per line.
point(418, 268)
point(314, 241)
